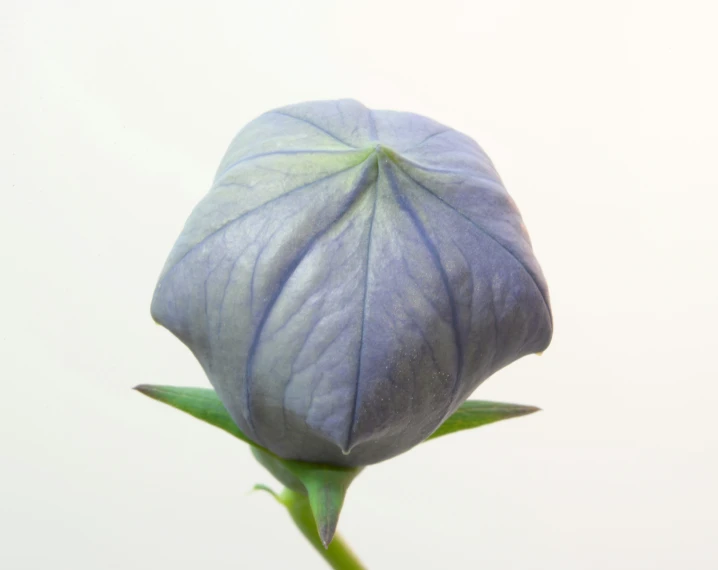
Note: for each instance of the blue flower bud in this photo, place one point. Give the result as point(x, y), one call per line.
point(350, 278)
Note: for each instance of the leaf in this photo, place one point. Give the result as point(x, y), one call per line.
point(476, 413)
point(266, 489)
point(202, 403)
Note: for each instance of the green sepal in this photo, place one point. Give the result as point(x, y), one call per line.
point(475, 413)
point(202, 403)
point(324, 485)
point(337, 554)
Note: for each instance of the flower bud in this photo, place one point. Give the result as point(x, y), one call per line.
point(350, 278)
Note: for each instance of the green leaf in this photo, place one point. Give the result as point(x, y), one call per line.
point(324, 485)
point(475, 413)
point(266, 489)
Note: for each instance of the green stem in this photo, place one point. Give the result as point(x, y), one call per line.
point(338, 555)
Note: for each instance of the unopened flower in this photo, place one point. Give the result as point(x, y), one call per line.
point(350, 278)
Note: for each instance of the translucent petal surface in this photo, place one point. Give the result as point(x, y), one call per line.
point(349, 280)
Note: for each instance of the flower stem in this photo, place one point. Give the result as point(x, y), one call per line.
point(338, 554)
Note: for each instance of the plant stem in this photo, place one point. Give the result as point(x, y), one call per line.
point(338, 555)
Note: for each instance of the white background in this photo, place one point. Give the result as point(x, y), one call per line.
point(601, 118)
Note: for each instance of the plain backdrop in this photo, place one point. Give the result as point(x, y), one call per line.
point(601, 118)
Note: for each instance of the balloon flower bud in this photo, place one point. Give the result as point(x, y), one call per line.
point(350, 278)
